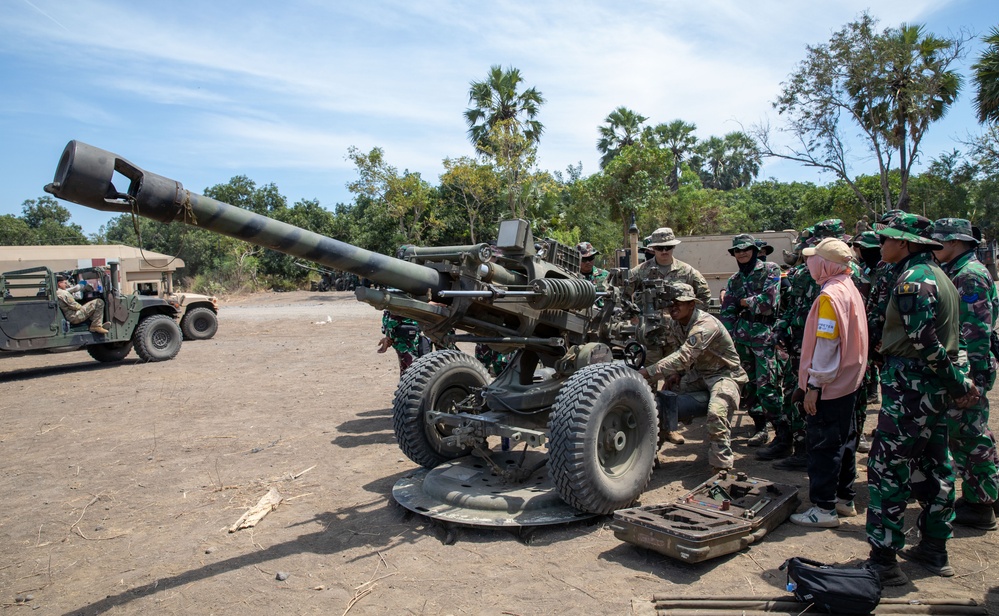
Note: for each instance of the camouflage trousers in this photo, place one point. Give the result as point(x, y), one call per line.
point(974, 449)
point(91, 311)
point(909, 456)
point(860, 410)
point(764, 388)
point(406, 360)
point(792, 413)
point(723, 400)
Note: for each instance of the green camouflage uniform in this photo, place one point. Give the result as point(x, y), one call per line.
point(494, 361)
point(405, 337)
point(751, 328)
point(920, 345)
point(599, 277)
point(971, 442)
point(704, 355)
point(790, 330)
point(677, 271)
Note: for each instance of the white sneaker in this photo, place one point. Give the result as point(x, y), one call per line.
point(845, 509)
point(817, 518)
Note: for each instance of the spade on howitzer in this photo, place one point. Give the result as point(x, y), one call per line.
point(563, 389)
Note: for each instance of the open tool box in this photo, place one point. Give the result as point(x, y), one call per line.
point(722, 515)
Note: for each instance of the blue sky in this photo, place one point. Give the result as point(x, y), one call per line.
point(202, 91)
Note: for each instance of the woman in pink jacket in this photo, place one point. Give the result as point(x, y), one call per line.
point(833, 361)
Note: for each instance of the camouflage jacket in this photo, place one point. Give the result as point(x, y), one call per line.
point(678, 271)
point(599, 277)
point(922, 324)
point(877, 301)
point(703, 347)
point(494, 361)
point(979, 314)
point(802, 291)
point(404, 333)
point(860, 280)
point(67, 302)
point(753, 324)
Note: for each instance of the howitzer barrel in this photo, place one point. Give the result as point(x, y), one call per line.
point(85, 174)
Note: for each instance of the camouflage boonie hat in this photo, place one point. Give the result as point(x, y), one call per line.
point(805, 239)
point(911, 228)
point(764, 247)
point(867, 239)
point(586, 249)
point(832, 227)
point(886, 219)
point(949, 229)
point(742, 242)
point(684, 292)
point(663, 236)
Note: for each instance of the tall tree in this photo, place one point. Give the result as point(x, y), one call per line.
point(727, 163)
point(474, 186)
point(49, 222)
point(677, 137)
point(623, 128)
point(892, 85)
point(986, 76)
point(496, 100)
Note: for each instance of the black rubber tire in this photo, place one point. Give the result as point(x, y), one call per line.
point(111, 351)
point(157, 338)
point(199, 324)
point(341, 284)
point(434, 381)
point(602, 438)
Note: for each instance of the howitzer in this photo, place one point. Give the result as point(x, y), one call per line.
point(562, 388)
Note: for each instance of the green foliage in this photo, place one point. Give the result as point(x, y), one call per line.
point(623, 128)
point(496, 101)
point(986, 76)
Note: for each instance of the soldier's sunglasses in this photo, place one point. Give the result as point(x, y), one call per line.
point(587, 258)
point(663, 248)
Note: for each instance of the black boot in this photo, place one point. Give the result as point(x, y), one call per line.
point(883, 562)
point(976, 515)
point(932, 554)
point(798, 460)
point(779, 447)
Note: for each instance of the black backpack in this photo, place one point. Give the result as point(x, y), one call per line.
point(840, 590)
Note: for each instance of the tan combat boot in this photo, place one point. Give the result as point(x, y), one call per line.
point(97, 329)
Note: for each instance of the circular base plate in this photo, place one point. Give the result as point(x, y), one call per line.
point(468, 491)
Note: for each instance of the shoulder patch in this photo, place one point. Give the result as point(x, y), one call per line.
point(970, 299)
point(907, 288)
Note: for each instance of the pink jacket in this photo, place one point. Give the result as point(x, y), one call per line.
point(849, 307)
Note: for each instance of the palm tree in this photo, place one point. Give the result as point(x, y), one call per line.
point(677, 137)
point(624, 128)
point(496, 100)
point(986, 75)
point(743, 160)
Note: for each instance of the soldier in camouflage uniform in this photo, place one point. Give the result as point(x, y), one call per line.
point(494, 361)
point(921, 381)
point(971, 442)
point(703, 359)
point(596, 275)
point(664, 267)
point(749, 312)
point(801, 291)
point(92, 311)
point(403, 335)
point(867, 250)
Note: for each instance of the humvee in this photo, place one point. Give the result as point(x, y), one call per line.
point(31, 320)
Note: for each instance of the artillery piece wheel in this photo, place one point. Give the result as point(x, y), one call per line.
point(436, 381)
point(602, 445)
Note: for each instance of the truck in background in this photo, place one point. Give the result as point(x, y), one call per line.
point(142, 272)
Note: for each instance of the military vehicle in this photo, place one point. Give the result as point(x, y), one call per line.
point(563, 390)
point(31, 320)
point(141, 271)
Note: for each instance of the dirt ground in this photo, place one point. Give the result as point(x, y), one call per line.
point(120, 482)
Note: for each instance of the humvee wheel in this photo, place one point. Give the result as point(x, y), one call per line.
point(199, 324)
point(111, 351)
point(157, 338)
point(602, 438)
point(436, 381)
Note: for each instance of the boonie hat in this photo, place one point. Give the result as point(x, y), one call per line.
point(684, 292)
point(586, 249)
point(911, 228)
point(663, 236)
point(764, 247)
point(742, 242)
point(867, 239)
point(832, 227)
point(949, 229)
point(831, 249)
